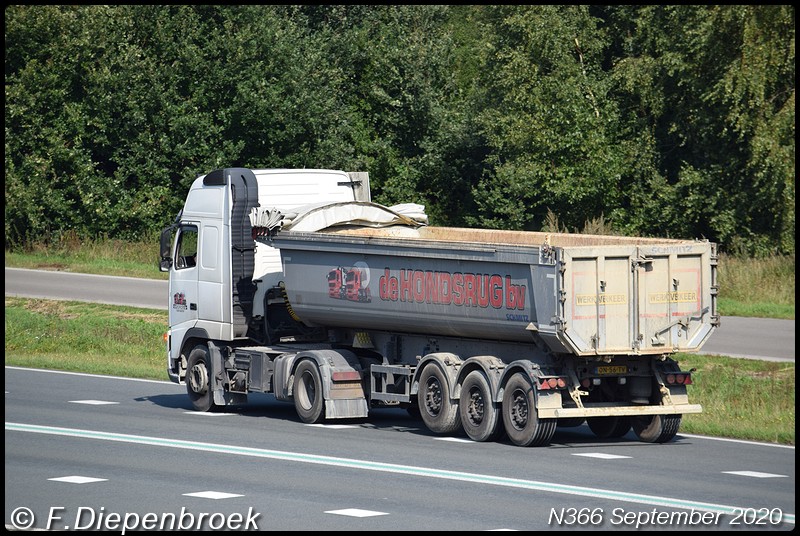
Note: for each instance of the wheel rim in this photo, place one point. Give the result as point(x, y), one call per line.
point(519, 410)
point(433, 397)
point(475, 409)
point(198, 379)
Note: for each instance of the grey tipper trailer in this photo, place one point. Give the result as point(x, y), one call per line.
point(501, 333)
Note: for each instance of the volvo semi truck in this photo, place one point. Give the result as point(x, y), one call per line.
point(294, 283)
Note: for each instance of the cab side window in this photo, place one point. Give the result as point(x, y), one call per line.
point(186, 252)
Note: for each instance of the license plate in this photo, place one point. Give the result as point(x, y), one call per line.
point(619, 369)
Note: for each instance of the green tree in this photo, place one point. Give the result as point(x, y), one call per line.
point(715, 108)
point(544, 112)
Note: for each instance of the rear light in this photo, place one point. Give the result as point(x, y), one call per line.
point(346, 376)
point(680, 378)
point(552, 382)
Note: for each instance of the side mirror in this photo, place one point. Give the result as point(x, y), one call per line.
point(165, 249)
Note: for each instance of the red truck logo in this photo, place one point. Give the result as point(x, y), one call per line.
point(179, 301)
point(349, 284)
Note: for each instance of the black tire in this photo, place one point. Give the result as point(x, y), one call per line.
point(438, 411)
point(571, 422)
point(609, 427)
point(480, 415)
point(413, 409)
point(198, 374)
point(523, 426)
point(309, 401)
point(656, 428)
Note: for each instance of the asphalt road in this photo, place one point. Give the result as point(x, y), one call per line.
point(757, 338)
point(95, 452)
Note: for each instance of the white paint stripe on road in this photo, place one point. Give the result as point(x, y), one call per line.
point(216, 495)
point(77, 479)
point(743, 441)
point(427, 472)
point(754, 474)
point(356, 512)
point(602, 455)
point(101, 376)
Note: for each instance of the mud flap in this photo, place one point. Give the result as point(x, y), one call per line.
point(547, 401)
point(350, 408)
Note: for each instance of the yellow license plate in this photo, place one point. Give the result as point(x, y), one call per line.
point(620, 369)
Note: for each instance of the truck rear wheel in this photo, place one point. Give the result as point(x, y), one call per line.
point(523, 426)
point(656, 428)
point(480, 415)
point(438, 411)
point(309, 401)
point(198, 373)
point(609, 427)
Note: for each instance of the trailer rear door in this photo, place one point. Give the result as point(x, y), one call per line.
point(638, 299)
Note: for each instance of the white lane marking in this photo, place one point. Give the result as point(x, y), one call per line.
point(212, 495)
point(101, 376)
point(75, 479)
point(425, 472)
point(754, 474)
point(208, 413)
point(93, 402)
point(742, 441)
point(455, 439)
point(333, 426)
point(602, 455)
point(356, 512)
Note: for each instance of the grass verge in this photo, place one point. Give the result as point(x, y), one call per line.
point(86, 337)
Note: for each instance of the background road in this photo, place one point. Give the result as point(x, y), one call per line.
point(758, 338)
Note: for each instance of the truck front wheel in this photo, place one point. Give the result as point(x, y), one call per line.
point(523, 425)
point(438, 411)
point(309, 401)
point(197, 379)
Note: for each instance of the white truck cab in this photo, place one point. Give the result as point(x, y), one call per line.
point(219, 277)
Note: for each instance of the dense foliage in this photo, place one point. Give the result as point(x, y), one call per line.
point(658, 120)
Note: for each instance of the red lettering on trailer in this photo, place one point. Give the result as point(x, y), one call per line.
point(459, 289)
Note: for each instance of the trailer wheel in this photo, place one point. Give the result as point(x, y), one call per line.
point(197, 379)
point(413, 408)
point(523, 426)
point(307, 390)
point(480, 415)
point(438, 412)
point(571, 422)
point(609, 427)
point(656, 428)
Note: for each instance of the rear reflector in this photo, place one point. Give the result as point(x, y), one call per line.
point(346, 376)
